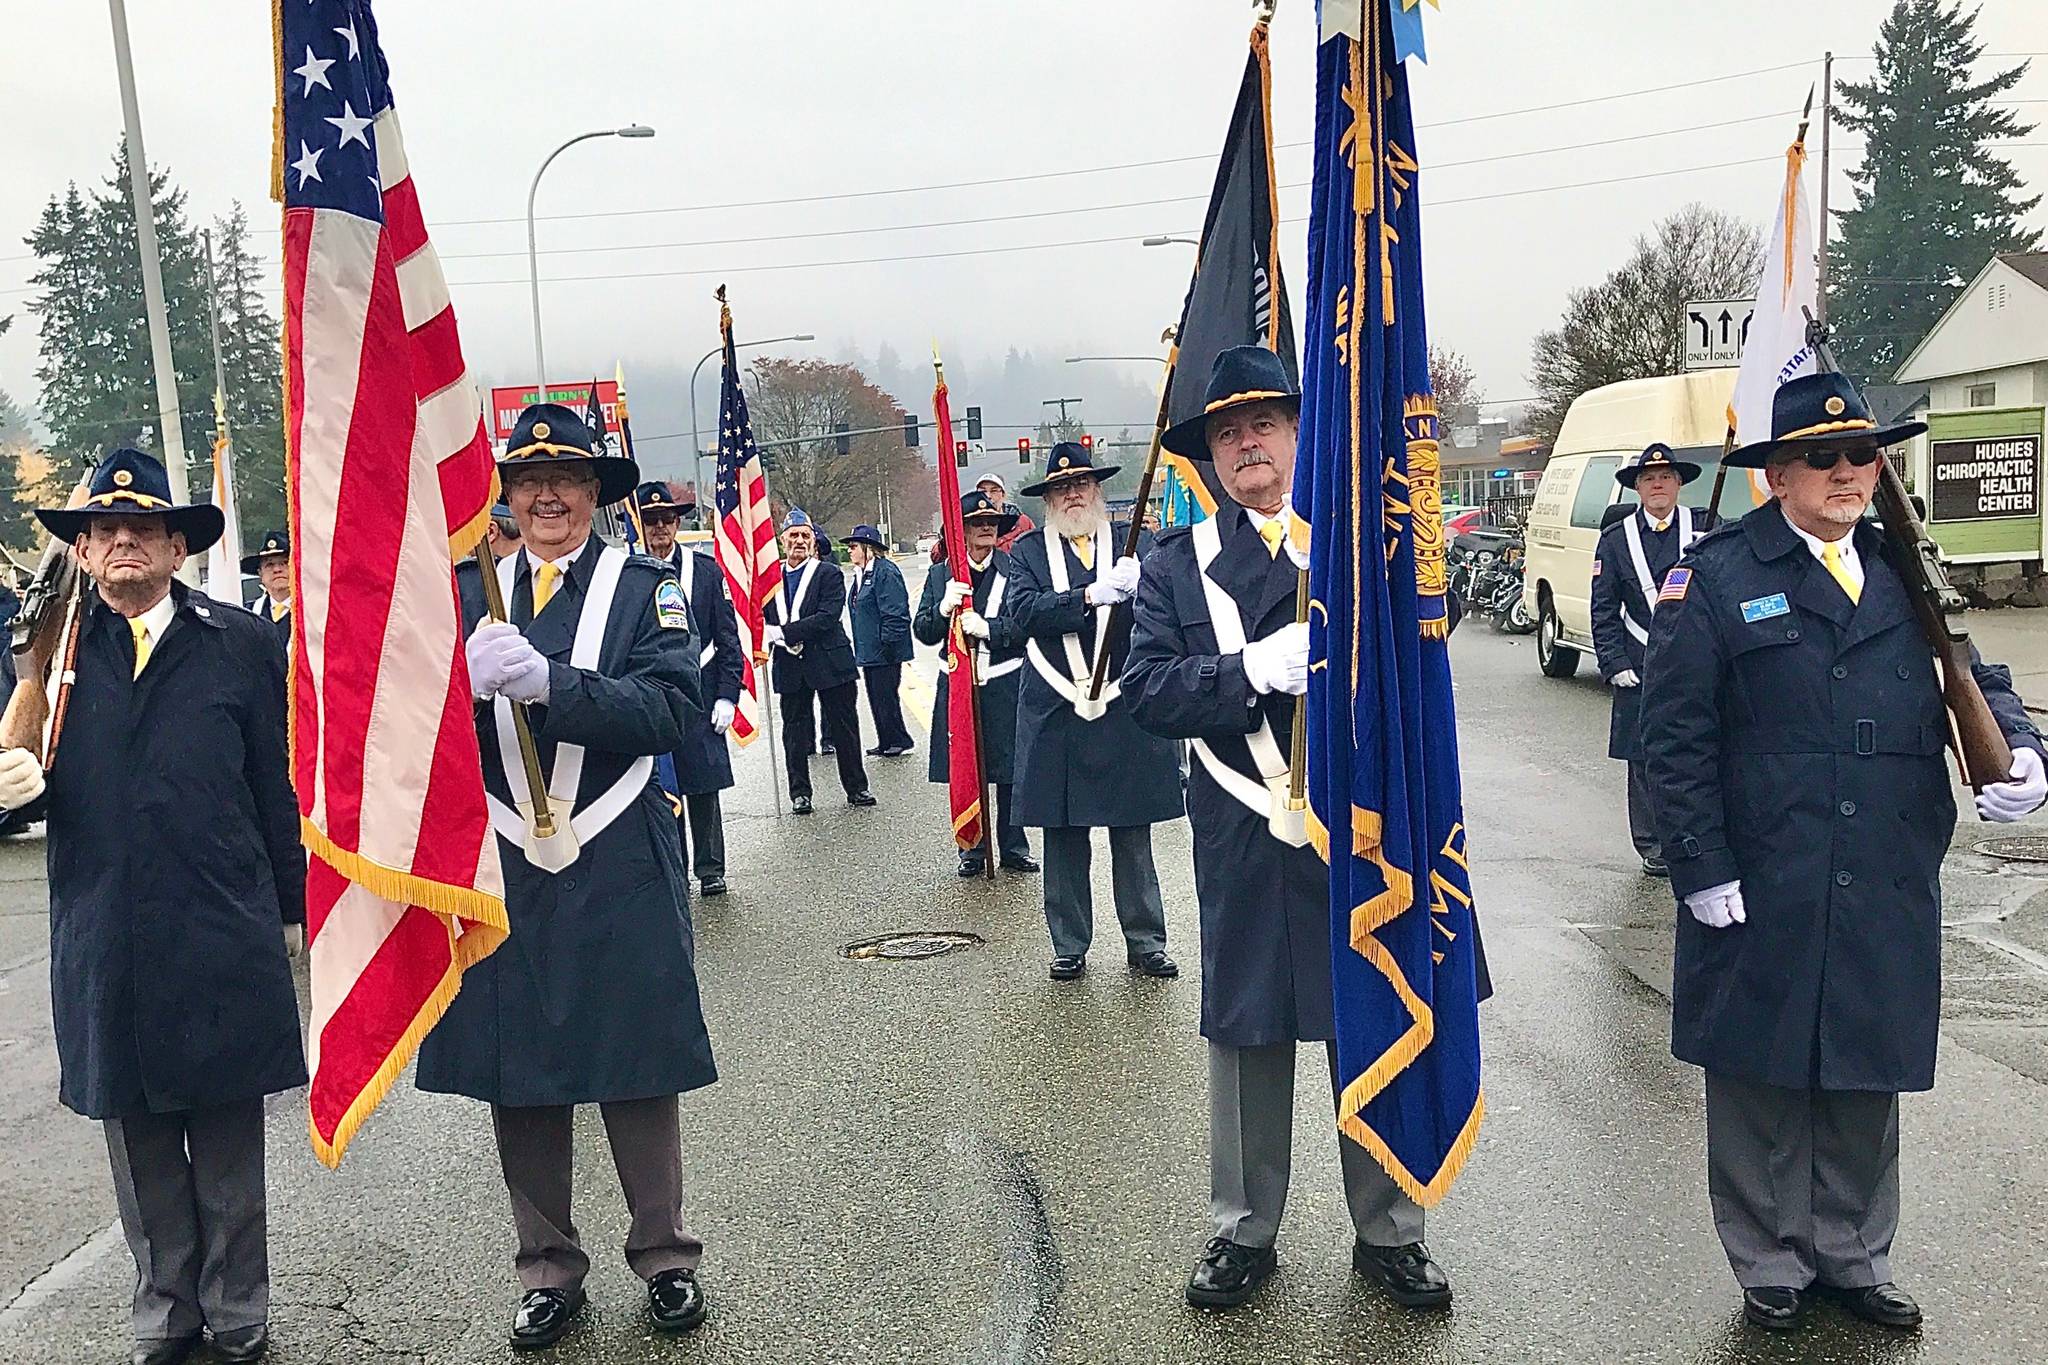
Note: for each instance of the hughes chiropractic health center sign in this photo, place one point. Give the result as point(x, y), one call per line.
point(1984, 482)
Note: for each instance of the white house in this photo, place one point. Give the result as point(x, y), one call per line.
point(1990, 349)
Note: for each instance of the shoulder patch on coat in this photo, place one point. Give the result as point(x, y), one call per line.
point(1675, 584)
point(670, 606)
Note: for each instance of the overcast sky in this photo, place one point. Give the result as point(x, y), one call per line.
point(807, 101)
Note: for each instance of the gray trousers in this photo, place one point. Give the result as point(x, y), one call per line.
point(1251, 1142)
point(1070, 900)
point(1642, 824)
point(536, 1150)
point(703, 828)
point(1804, 1183)
point(190, 1190)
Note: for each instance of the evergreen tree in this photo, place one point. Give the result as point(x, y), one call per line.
point(251, 350)
point(98, 384)
point(21, 483)
point(1933, 203)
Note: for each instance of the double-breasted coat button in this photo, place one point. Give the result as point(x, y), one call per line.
point(1848, 808)
point(1843, 879)
point(1793, 636)
point(1838, 672)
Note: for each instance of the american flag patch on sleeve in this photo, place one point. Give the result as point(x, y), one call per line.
point(1675, 584)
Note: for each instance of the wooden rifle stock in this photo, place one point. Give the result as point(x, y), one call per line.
point(1980, 744)
point(45, 633)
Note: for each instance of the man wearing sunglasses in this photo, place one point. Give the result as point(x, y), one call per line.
point(1793, 730)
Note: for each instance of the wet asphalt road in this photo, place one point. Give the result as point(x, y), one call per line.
point(958, 1160)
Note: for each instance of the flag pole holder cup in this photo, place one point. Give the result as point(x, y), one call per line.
point(1087, 707)
point(1287, 814)
point(554, 850)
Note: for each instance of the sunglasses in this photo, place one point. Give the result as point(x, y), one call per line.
point(1820, 461)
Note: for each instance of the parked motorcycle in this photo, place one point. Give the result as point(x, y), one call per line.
point(1487, 576)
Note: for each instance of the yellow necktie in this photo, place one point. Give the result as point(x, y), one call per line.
point(1084, 550)
point(141, 634)
point(1831, 557)
point(278, 609)
point(544, 578)
point(1273, 532)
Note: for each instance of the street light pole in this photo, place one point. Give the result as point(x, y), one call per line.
point(540, 364)
point(697, 441)
point(170, 420)
point(1145, 359)
point(1169, 240)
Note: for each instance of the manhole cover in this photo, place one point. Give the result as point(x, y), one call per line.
point(2018, 848)
point(899, 947)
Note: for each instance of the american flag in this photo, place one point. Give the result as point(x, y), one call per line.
point(745, 538)
point(391, 478)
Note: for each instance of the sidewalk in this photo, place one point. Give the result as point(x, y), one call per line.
point(2018, 638)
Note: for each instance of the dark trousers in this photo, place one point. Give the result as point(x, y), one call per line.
point(1642, 824)
point(1010, 840)
point(885, 704)
point(1804, 1183)
point(702, 827)
point(1070, 898)
point(536, 1148)
point(841, 706)
point(190, 1190)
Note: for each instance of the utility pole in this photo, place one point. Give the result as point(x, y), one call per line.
point(1063, 407)
point(170, 421)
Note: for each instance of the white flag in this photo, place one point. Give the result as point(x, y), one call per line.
point(1776, 349)
point(224, 560)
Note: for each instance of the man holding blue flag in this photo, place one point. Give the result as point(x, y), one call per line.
point(1218, 658)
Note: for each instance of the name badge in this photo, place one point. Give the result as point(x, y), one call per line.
point(1764, 608)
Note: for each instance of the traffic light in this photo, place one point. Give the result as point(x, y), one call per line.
point(1088, 443)
point(960, 453)
point(845, 441)
point(910, 430)
point(1023, 450)
point(974, 424)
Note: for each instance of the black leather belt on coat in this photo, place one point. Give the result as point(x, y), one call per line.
point(1862, 738)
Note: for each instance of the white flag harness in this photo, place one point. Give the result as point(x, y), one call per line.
point(1632, 530)
point(1072, 685)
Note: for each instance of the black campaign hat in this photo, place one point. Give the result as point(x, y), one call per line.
point(1068, 460)
point(130, 483)
point(1819, 409)
point(655, 497)
point(1656, 455)
point(979, 506)
point(1241, 375)
point(549, 433)
point(865, 534)
point(273, 543)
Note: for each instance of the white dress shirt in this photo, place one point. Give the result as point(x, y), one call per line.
point(1845, 550)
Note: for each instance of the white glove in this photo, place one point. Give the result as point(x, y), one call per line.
point(1717, 907)
point(1628, 677)
point(531, 683)
point(974, 623)
point(956, 593)
point(1122, 577)
point(21, 778)
point(771, 636)
point(294, 940)
point(722, 712)
point(1279, 663)
point(2020, 794)
point(493, 650)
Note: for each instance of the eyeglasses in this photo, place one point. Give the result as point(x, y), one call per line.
point(1823, 460)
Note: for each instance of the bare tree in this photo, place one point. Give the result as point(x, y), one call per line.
point(805, 402)
point(1456, 386)
point(1631, 325)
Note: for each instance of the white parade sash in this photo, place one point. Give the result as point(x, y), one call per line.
point(796, 604)
point(1072, 685)
point(1266, 795)
point(573, 828)
point(685, 571)
point(984, 671)
point(1632, 531)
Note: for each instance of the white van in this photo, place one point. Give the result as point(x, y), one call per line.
point(1605, 429)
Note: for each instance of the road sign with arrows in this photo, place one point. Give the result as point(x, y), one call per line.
point(1715, 332)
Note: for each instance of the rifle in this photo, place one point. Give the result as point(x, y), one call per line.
point(1980, 745)
point(44, 630)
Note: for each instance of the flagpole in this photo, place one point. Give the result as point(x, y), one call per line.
point(1827, 112)
point(529, 753)
point(762, 671)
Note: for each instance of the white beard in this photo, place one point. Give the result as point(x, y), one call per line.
point(1079, 521)
point(1843, 516)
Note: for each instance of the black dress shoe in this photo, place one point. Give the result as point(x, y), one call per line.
point(243, 1344)
point(876, 752)
point(799, 805)
point(1777, 1307)
point(1155, 964)
point(1229, 1273)
point(1410, 1278)
point(972, 867)
point(1886, 1304)
point(713, 886)
point(165, 1351)
point(896, 751)
point(1021, 862)
point(675, 1300)
point(1067, 968)
point(861, 798)
point(1654, 866)
point(544, 1317)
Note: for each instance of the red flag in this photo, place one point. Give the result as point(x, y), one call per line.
point(963, 757)
point(391, 479)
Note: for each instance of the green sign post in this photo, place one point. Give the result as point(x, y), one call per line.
point(1984, 490)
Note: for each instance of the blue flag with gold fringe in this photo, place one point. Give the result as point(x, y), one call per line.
point(1384, 799)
